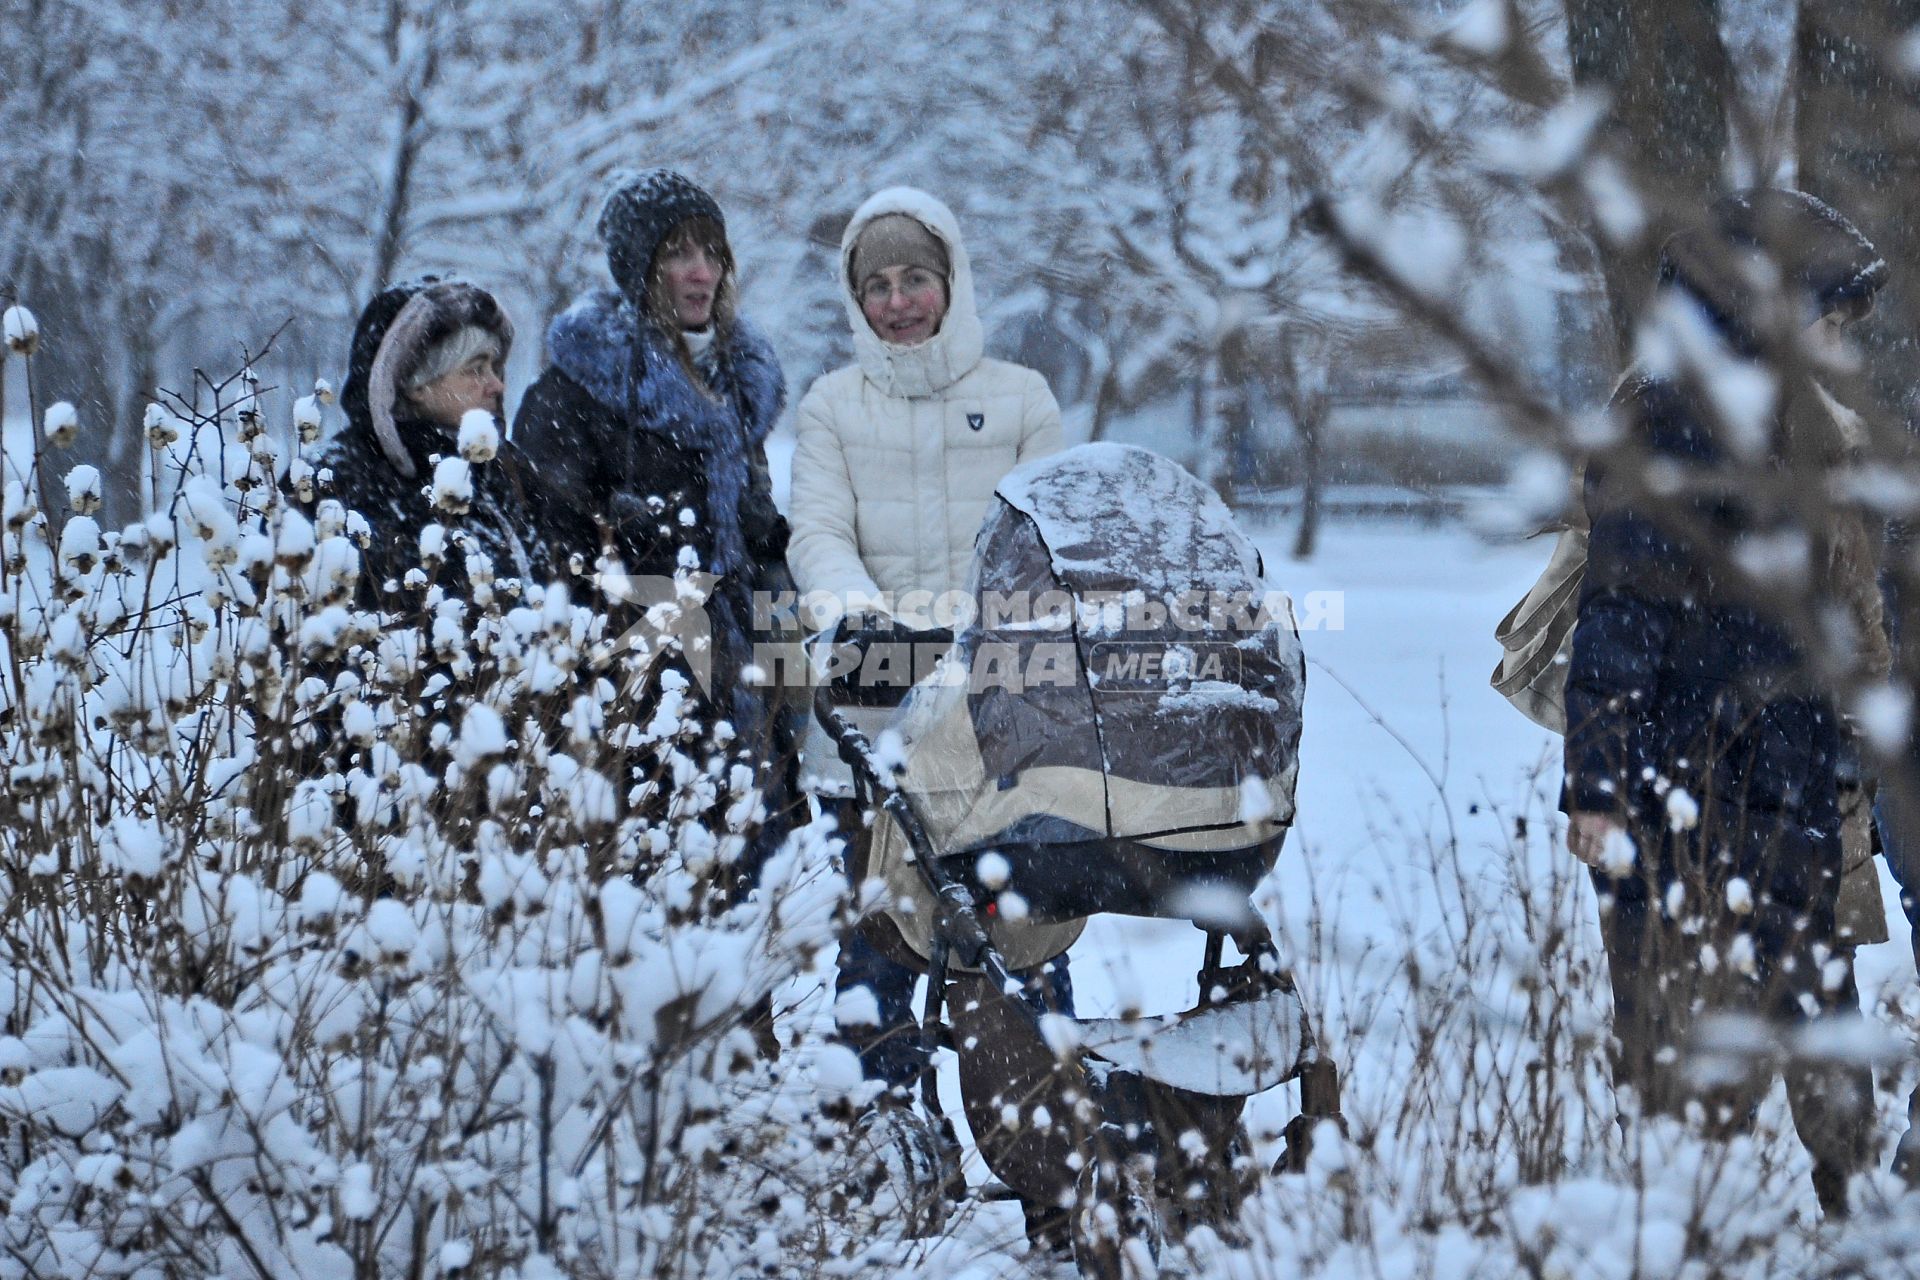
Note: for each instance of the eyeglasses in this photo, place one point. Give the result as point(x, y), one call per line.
point(915, 280)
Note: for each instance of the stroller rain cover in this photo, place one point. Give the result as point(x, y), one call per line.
point(1126, 678)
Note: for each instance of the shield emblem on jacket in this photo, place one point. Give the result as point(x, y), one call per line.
point(977, 420)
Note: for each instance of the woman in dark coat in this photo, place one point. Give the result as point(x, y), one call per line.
point(653, 417)
point(424, 354)
point(1702, 758)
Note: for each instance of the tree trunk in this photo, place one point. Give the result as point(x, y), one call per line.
point(124, 440)
point(1199, 402)
point(1665, 66)
point(1312, 430)
point(1233, 407)
point(390, 238)
point(1857, 132)
point(1105, 399)
point(78, 334)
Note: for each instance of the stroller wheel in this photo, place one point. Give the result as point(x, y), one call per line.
point(905, 1172)
point(1115, 1224)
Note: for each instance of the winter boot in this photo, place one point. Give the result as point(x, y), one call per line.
point(1906, 1156)
point(1830, 1188)
point(908, 1170)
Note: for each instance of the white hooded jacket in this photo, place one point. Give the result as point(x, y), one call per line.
point(900, 451)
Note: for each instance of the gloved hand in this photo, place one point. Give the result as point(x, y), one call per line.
point(628, 511)
point(866, 629)
point(877, 658)
point(645, 532)
point(764, 528)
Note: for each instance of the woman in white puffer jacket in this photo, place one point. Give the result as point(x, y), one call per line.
point(900, 451)
point(898, 458)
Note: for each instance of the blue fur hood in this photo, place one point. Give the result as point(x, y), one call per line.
point(626, 364)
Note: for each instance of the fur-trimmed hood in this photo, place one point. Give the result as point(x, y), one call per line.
point(394, 331)
point(625, 363)
point(951, 354)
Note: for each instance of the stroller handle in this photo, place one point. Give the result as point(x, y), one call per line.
point(956, 923)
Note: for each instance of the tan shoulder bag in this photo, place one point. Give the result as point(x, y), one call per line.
point(1536, 636)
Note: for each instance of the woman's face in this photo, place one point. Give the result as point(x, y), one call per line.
point(477, 384)
point(904, 305)
point(1827, 342)
point(692, 274)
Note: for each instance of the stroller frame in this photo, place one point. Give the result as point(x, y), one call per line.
point(1112, 1206)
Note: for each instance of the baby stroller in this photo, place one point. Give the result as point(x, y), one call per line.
point(1114, 730)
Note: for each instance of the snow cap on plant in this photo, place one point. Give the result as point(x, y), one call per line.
point(83, 489)
point(306, 418)
point(330, 518)
point(252, 421)
point(295, 543)
point(62, 424)
point(19, 507)
point(80, 544)
point(483, 736)
point(479, 436)
point(332, 573)
point(22, 331)
point(453, 485)
point(300, 480)
point(162, 427)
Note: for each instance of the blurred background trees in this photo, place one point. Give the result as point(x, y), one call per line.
point(179, 180)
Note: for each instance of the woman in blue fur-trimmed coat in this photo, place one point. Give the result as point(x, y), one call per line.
point(653, 417)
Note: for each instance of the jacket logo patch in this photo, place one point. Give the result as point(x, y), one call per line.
point(977, 420)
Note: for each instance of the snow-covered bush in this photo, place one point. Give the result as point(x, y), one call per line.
point(345, 945)
point(1485, 1133)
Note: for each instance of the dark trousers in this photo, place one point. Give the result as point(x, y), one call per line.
point(892, 1050)
point(1904, 862)
point(1665, 999)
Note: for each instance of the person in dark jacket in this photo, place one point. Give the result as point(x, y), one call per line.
point(653, 416)
point(424, 354)
point(1701, 755)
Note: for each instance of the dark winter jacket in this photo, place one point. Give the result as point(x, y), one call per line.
point(618, 425)
point(670, 455)
point(615, 422)
point(1678, 682)
point(512, 519)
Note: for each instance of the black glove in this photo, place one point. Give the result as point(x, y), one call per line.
point(646, 530)
point(765, 529)
point(632, 512)
point(867, 629)
point(881, 658)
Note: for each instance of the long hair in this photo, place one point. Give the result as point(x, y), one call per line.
point(709, 235)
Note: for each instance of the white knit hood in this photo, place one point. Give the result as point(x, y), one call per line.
point(942, 360)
